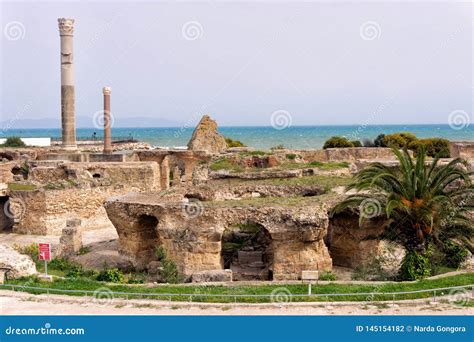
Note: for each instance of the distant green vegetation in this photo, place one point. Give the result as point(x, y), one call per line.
point(434, 147)
point(337, 142)
point(234, 143)
point(13, 142)
point(278, 147)
point(378, 290)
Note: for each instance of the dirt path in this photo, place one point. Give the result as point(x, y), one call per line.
point(17, 303)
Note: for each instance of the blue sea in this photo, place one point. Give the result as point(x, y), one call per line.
point(297, 137)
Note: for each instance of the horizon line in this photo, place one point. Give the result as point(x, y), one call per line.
point(184, 127)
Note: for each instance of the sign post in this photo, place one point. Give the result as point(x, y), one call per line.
point(44, 253)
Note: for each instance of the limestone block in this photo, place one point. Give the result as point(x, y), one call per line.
point(20, 265)
point(212, 276)
point(71, 237)
point(309, 275)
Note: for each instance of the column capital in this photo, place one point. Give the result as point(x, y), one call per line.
point(107, 90)
point(66, 26)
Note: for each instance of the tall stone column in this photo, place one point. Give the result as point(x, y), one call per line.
point(107, 121)
point(68, 119)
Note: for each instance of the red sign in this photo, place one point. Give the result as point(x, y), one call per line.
point(44, 251)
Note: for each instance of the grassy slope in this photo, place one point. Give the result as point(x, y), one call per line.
point(182, 292)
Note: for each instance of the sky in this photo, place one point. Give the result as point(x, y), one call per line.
point(320, 63)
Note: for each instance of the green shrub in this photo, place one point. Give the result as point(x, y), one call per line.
point(278, 147)
point(435, 147)
point(135, 279)
point(380, 141)
point(234, 143)
point(14, 142)
point(291, 156)
point(61, 264)
point(399, 140)
point(327, 275)
point(415, 266)
point(76, 271)
point(455, 254)
point(337, 142)
point(113, 275)
point(356, 143)
point(170, 270)
point(160, 253)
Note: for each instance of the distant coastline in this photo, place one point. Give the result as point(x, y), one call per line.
point(262, 137)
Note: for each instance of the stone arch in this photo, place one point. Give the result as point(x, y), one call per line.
point(247, 249)
point(145, 237)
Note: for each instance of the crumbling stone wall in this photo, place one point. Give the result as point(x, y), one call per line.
point(77, 190)
point(463, 150)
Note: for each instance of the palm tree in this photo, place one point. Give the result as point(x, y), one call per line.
point(423, 202)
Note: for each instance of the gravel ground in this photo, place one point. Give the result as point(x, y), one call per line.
point(18, 303)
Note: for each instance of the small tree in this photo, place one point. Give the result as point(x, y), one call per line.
point(337, 142)
point(14, 142)
point(424, 203)
point(170, 270)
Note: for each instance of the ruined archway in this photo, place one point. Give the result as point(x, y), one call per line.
point(146, 236)
point(247, 250)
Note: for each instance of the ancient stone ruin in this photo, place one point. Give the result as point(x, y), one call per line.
point(206, 138)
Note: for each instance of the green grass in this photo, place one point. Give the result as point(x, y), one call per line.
point(21, 187)
point(276, 201)
point(254, 153)
point(225, 164)
point(325, 181)
point(182, 292)
point(316, 164)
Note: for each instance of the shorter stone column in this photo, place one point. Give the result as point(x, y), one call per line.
point(165, 174)
point(107, 121)
point(71, 238)
point(189, 165)
point(176, 176)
